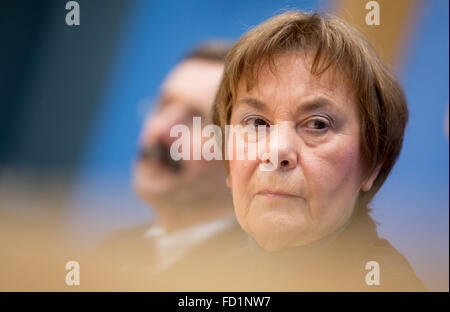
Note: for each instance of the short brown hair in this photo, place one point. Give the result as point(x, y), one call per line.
point(334, 44)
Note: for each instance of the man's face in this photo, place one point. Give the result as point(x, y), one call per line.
point(188, 91)
point(318, 175)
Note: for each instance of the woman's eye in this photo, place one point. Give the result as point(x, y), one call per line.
point(259, 122)
point(317, 125)
point(256, 122)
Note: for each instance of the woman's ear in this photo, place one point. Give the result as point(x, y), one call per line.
point(367, 185)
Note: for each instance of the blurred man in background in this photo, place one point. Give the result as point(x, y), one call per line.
point(194, 227)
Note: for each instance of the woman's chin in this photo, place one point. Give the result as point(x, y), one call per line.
point(278, 232)
point(272, 245)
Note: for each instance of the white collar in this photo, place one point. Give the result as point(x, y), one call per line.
point(171, 247)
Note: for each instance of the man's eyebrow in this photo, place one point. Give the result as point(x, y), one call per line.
point(255, 103)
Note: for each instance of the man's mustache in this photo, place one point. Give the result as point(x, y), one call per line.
point(160, 152)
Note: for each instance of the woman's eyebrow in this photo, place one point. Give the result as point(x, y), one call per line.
point(318, 103)
point(255, 103)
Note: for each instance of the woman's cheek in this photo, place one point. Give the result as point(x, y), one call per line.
point(331, 173)
point(241, 172)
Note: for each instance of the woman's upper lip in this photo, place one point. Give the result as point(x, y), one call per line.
point(268, 192)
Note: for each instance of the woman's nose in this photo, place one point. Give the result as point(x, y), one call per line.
point(287, 146)
point(287, 160)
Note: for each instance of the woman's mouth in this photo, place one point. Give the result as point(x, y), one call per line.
point(277, 194)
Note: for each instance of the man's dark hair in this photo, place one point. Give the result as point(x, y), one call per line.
point(214, 50)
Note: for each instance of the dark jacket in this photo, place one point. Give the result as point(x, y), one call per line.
point(125, 262)
point(336, 265)
point(227, 262)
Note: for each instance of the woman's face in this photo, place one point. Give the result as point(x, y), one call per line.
point(319, 172)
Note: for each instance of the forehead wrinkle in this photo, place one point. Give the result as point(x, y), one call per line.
point(253, 102)
point(286, 74)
